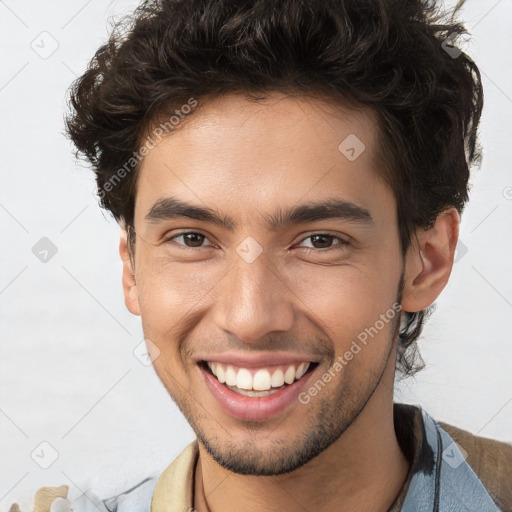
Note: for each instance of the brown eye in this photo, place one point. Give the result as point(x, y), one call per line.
point(191, 239)
point(324, 241)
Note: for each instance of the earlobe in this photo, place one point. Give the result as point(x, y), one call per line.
point(429, 261)
point(131, 297)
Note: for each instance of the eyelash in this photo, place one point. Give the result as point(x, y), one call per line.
point(341, 243)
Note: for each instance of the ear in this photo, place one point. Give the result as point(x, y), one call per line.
point(429, 261)
point(131, 298)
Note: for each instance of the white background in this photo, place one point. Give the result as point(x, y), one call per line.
point(68, 375)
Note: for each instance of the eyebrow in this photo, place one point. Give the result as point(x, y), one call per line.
point(172, 208)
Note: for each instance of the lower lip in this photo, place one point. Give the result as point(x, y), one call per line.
point(254, 408)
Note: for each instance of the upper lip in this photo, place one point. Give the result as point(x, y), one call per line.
point(257, 360)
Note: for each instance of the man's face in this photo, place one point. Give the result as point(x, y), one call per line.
point(295, 291)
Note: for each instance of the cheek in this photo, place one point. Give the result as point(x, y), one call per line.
point(347, 293)
point(350, 304)
point(172, 299)
point(168, 289)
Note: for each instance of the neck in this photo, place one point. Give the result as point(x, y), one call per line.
point(363, 470)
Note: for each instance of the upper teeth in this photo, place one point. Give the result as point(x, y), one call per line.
point(262, 379)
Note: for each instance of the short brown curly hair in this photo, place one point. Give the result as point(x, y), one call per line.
point(398, 57)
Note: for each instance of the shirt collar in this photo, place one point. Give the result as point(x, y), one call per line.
point(175, 487)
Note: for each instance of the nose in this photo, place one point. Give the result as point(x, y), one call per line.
point(253, 300)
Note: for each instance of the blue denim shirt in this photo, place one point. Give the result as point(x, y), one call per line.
point(440, 480)
point(450, 485)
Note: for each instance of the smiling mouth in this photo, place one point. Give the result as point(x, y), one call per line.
point(258, 382)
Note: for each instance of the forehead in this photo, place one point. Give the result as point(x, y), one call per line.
point(280, 149)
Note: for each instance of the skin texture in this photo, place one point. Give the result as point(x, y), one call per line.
point(248, 160)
